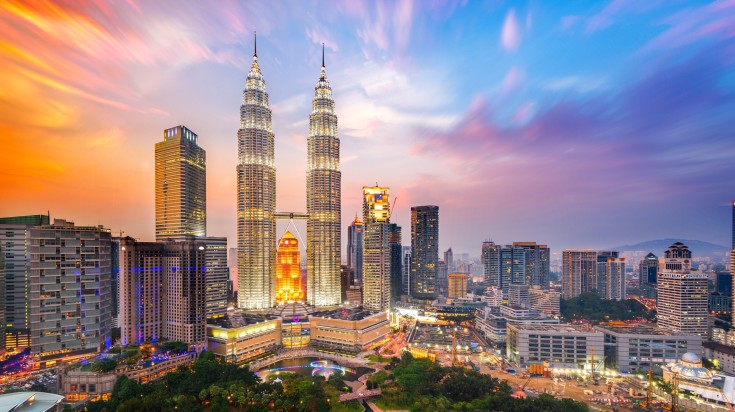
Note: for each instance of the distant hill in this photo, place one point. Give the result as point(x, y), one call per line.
point(698, 247)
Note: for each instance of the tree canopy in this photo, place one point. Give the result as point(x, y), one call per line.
point(591, 307)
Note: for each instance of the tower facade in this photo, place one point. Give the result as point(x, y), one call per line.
point(648, 275)
point(682, 296)
point(424, 251)
point(579, 272)
point(355, 235)
point(288, 273)
point(181, 186)
point(396, 262)
point(323, 199)
point(256, 196)
point(376, 251)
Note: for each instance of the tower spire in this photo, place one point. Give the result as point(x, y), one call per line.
point(322, 55)
point(255, 44)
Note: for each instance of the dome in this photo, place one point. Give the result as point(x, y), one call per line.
point(691, 357)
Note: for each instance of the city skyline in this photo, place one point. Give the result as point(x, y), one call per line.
point(632, 126)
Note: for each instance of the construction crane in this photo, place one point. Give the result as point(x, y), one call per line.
point(395, 200)
point(649, 390)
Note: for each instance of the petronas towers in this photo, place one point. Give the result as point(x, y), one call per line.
point(256, 198)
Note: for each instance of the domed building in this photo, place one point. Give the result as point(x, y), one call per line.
point(703, 383)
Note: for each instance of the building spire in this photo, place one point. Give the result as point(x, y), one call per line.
point(322, 55)
point(255, 44)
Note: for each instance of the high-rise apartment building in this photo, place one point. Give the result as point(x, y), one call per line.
point(323, 199)
point(181, 186)
point(217, 275)
point(424, 251)
point(648, 275)
point(457, 285)
point(442, 279)
point(256, 196)
point(69, 293)
point(579, 268)
point(504, 265)
point(682, 295)
point(406, 270)
point(396, 262)
point(376, 248)
point(15, 238)
point(537, 260)
point(601, 273)
point(355, 234)
point(288, 270)
point(615, 287)
point(449, 260)
point(162, 291)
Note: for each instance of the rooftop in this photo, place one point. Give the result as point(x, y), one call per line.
point(29, 401)
point(546, 327)
point(640, 330)
point(344, 314)
point(238, 319)
point(729, 350)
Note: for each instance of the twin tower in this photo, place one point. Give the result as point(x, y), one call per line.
point(256, 198)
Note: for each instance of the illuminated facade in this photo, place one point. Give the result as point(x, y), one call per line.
point(376, 248)
point(181, 186)
point(256, 196)
point(424, 251)
point(288, 265)
point(69, 294)
point(579, 272)
point(682, 295)
point(457, 285)
point(323, 199)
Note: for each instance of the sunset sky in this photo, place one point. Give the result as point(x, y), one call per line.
point(577, 124)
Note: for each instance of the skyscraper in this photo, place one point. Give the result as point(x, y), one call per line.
point(2, 302)
point(602, 275)
point(181, 186)
point(406, 270)
point(355, 234)
point(15, 237)
point(615, 288)
point(648, 276)
point(732, 258)
point(504, 265)
point(682, 296)
point(396, 262)
point(449, 260)
point(376, 249)
point(537, 259)
point(69, 294)
point(579, 268)
point(323, 199)
point(288, 270)
point(424, 251)
point(256, 196)
point(162, 291)
point(217, 275)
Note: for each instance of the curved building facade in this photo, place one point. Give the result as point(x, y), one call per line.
point(256, 196)
point(323, 199)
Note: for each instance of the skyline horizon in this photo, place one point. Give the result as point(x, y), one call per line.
point(599, 148)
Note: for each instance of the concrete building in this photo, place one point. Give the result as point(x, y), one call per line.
point(457, 285)
point(406, 270)
point(181, 186)
point(547, 301)
point(565, 346)
point(323, 199)
point(70, 296)
point(579, 272)
point(256, 197)
point(424, 251)
point(682, 295)
point(350, 331)
point(635, 349)
point(519, 295)
point(615, 279)
point(723, 356)
point(376, 249)
point(355, 237)
point(506, 265)
point(493, 296)
point(442, 280)
point(493, 321)
point(162, 292)
point(15, 238)
point(240, 338)
point(449, 260)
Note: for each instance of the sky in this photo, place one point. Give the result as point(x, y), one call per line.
point(575, 124)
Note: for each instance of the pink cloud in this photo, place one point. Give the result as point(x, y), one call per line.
point(510, 36)
point(512, 79)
